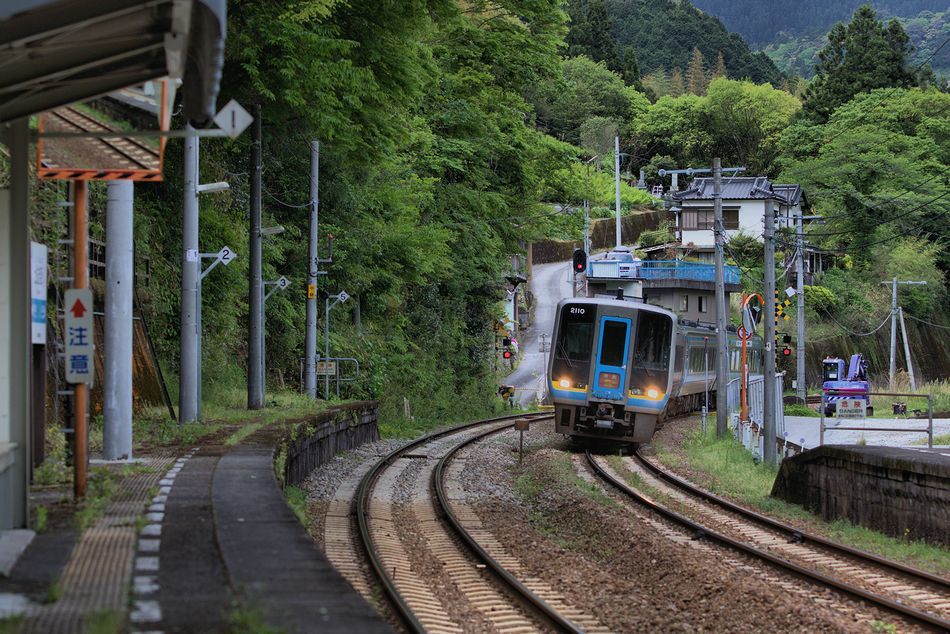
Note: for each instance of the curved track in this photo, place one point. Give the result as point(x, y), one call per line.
point(500, 598)
point(755, 541)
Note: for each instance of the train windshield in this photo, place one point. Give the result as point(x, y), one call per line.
point(651, 353)
point(572, 349)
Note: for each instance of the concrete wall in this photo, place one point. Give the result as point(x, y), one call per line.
point(601, 236)
point(314, 442)
point(900, 492)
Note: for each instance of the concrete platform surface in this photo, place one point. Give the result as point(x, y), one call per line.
point(13, 543)
point(272, 563)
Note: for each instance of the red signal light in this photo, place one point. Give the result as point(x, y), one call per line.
point(506, 354)
point(786, 352)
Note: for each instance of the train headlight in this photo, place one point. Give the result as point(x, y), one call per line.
point(653, 393)
point(565, 383)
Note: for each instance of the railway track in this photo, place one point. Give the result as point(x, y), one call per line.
point(423, 544)
point(918, 596)
point(139, 155)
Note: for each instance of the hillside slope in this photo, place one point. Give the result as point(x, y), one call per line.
point(793, 41)
point(663, 34)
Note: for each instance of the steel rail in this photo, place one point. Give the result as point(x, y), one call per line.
point(110, 144)
point(794, 533)
point(702, 531)
point(145, 147)
point(525, 593)
point(362, 514)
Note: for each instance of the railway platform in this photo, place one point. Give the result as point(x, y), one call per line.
point(219, 550)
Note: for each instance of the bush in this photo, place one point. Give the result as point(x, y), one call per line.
point(820, 298)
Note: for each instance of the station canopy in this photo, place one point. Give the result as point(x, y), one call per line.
point(58, 52)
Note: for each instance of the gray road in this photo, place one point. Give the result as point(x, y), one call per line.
point(549, 283)
point(802, 428)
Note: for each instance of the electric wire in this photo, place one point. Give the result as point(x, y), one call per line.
point(851, 332)
point(924, 321)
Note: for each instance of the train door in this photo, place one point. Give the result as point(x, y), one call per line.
point(610, 374)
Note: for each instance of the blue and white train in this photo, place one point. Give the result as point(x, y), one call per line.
point(617, 367)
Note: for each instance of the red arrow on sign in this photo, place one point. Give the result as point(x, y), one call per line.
point(78, 309)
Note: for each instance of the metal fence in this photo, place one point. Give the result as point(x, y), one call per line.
point(929, 429)
point(660, 270)
point(751, 432)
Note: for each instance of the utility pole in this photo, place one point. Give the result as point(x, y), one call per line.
point(313, 271)
point(768, 270)
point(80, 254)
point(617, 179)
point(255, 338)
point(120, 270)
point(800, 389)
point(722, 348)
point(910, 364)
point(893, 368)
point(188, 362)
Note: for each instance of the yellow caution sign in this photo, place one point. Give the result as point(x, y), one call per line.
point(311, 291)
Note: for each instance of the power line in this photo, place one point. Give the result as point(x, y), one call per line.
point(882, 222)
point(857, 334)
point(924, 321)
point(842, 214)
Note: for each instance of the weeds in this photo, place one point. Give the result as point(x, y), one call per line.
point(104, 622)
point(102, 486)
point(297, 501)
point(41, 519)
point(797, 409)
point(249, 619)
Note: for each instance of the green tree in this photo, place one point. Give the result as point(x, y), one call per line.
point(859, 57)
point(590, 33)
point(745, 122)
point(586, 89)
point(877, 170)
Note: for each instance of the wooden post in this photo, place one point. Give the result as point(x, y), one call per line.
point(80, 390)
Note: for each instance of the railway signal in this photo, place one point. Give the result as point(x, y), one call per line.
point(580, 260)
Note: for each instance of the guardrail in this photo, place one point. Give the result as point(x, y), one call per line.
point(929, 430)
point(749, 432)
point(660, 270)
point(337, 371)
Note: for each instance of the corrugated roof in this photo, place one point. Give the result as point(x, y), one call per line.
point(733, 188)
point(57, 52)
point(790, 192)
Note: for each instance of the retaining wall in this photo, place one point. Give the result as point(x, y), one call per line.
point(602, 235)
point(313, 442)
point(900, 492)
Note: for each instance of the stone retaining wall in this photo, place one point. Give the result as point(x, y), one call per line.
point(313, 442)
point(602, 235)
point(900, 492)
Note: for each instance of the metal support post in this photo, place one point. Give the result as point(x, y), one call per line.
point(768, 401)
point(722, 306)
point(80, 390)
point(15, 326)
point(120, 269)
point(800, 388)
point(326, 349)
point(313, 263)
point(255, 353)
point(893, 367)
point(910, 364)
point(188, 363)
point(892, 376)
point(617, 179)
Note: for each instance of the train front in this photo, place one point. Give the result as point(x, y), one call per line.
point(610, 372)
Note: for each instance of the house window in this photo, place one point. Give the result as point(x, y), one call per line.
point(684, 303)
point(699, 219)
point(703, 303)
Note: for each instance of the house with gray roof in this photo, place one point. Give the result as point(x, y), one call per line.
point(743, 207)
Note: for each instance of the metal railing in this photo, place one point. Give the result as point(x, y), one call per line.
point(836, 398)
point(750, 432)
point(337, 371)
point(660, 270)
